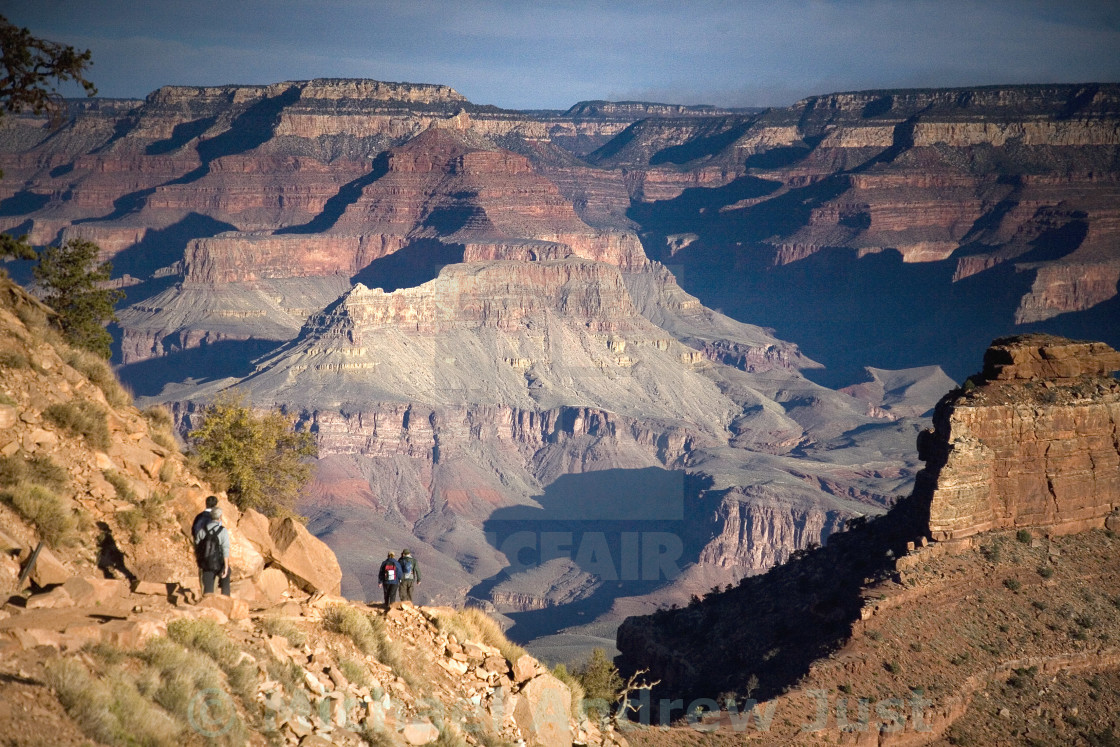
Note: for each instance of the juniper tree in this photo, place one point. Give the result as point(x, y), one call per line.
point(261, 458)
point(71, 280)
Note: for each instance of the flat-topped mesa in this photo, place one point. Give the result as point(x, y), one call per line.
point(1034, 444)
point(336, 89)
point(1034, 357)
point(501, 295)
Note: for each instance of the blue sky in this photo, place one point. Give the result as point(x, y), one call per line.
point(553, 54)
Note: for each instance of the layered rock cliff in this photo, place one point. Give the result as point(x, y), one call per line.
point(1029, 443)
point(1019, 488)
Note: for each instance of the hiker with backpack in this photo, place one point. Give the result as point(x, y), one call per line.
point(200, 521)
point(389, 577)
point(212, 553)
point(410, 574)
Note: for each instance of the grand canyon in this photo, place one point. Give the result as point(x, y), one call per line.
point(588, 363)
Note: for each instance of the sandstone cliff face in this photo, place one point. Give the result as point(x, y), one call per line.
point(1033, 445)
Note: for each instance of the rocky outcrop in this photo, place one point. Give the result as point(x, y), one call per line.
point(1030, 443)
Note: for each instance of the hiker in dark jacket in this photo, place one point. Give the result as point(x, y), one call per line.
point(410, 574)
point(213, 553)
point(389, 577)
point(199, 524)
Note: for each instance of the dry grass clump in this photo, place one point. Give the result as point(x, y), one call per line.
point(189, 684)
point(42, 508)
point(285, 629)
point(13, 359)
point(110, 709)
point(473, 624)
point(560, 672)
point(97, 370)
point(368, 634)
point(161, 427)
point(85, 419)
point(209, 638)
point(354, 672)
point(120, 484)
point(39, 469)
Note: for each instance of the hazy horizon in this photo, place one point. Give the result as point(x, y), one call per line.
point(526, 56)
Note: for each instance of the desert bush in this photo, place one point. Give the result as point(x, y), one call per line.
point(206, 636)
point(97, 370)
point(600, 680)
point(1046, 571)
point(1024, 536)
point(893, 667)
point(1012, 584)
point(85, 419)
point(132, 521)
point(167, 470)
point(183, 676)
point(44, 510)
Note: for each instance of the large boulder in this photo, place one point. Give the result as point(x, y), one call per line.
point(543, 712)
point(253, 525)
point(305, 558)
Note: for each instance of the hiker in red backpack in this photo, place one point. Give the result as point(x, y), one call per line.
point(389, 577)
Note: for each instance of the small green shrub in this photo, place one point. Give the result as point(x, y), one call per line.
point(43, 509)
point(1021, 678)
point(991, 552)
point(85, 419)
point(893, 667)
point(1024, 536)
point(875, 635)
point(206, 636)
point(1012, 584)
point(159, 417)
point(1046, 571)
point(561, 673)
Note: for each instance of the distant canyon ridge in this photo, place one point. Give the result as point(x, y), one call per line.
point(582, 363)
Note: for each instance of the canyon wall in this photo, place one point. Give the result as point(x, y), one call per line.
point(1029, 443)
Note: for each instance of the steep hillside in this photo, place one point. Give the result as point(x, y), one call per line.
point(978, 637)
point(104, 634)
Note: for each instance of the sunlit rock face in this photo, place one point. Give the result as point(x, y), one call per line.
point(1032, 445)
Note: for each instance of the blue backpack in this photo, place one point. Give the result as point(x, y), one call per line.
point(406, 568)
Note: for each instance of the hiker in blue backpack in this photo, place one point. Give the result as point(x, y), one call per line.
point(389, 577)
point(410, 574)
point(200, 521)
point(212, 553)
